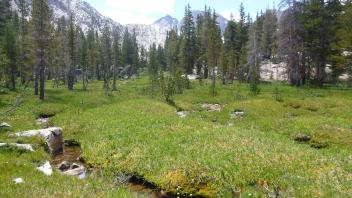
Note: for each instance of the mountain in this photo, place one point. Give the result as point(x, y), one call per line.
point(222, 21)
point(153, 33)
point(86, 16)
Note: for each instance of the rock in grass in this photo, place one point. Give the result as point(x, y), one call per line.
point(52, 136)
point(41, 121)
point(75, 172)
point(18, 180)
point(303, 138)
point(46, 169)
point(212, 107)
point(26, 147)
point(4, 125)
point(182, 114)
point(237, 113)
point(64, 166)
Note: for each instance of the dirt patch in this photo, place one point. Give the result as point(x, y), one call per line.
point(212, 107)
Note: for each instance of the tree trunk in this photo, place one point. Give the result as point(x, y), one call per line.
point(213, 82)
point(36, 80)
point(114, 88)
point(42, 76)
point(13, 78)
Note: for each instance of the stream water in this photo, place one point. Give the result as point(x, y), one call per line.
point(72, 154)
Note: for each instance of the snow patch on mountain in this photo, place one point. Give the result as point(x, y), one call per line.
point(88, 17)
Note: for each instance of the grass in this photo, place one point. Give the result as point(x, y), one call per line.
point(129, 132)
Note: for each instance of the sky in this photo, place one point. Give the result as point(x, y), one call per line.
point(148, 11)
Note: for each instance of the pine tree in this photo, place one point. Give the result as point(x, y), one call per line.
point(11, 51)
point(106, 55)
point(223, 65)
point(72, 52)
point(62, 54)
point(5, 15)
point(346, 38)
point(24, 11)
point(92, 51)
point(161, 57)
point(207, 22)
point(320, 32)
point(214, 44)
point(117, 57)
point(127, 50)
point(232, 48)
point(41, 16)
point(153, 69)
point(187, 52)
point(84, 60)
point(135, 55)
point(254, 57)
point(269, 34)
point(143, 58)
point(172, 51)
point(241, 59)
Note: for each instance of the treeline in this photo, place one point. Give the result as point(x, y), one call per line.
point(311, 37)
point(201, 48)
point(308, 35)
point(33, 51)
point(314, 34)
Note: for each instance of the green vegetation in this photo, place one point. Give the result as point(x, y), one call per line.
point(208, 154)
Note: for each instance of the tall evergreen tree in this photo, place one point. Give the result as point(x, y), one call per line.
point(84, 59)
point(153, 69)
point(254, 56)
point(24, 11)
point(172, 51)
point(106, 55)
point(270, 34)
point(214, 44)
point(72, 45)
point(5, 15)
point(188, 41)
point(232, 49)
point(241, 59)
point(291, 43)
point(117, 57)
point(41, 16)
point(11, 51)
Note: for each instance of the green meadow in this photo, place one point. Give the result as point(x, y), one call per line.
point(206, 154)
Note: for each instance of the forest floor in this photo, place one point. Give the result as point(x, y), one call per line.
point(296, 142)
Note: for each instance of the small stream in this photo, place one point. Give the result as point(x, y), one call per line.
point(70, 154)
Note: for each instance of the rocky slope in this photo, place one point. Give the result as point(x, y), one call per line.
point(86, 16)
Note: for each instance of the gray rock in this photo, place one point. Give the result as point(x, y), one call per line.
point(237, 114)
point(52, 136)
point(75, 172)
point(4, 125)
point(41, 121)
point(182, 114)
point(26, 147)
point(46, 169)
point(64, 166)
point(212, 107)
point(18, 180)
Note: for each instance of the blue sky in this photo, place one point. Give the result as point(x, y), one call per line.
point(147, 11)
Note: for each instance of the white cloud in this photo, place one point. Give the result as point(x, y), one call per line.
point(137, 11)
